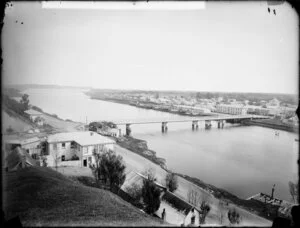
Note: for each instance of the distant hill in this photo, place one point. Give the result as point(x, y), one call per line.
point(41, 196)
point(42, 86)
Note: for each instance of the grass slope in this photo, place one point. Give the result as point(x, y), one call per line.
point(41, 196)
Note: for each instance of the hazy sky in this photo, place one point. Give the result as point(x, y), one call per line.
point(228, 46)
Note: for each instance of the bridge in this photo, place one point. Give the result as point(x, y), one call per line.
point(207, 119)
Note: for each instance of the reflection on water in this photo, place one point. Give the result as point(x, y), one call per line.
point(244, 160)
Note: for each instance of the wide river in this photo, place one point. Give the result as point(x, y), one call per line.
point(244, 160)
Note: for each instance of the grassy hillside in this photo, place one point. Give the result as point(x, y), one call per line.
point(41, 196)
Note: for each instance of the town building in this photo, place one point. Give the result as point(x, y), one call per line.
point(231, 109)
point(78, 146)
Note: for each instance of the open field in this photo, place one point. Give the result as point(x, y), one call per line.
point(43, 197)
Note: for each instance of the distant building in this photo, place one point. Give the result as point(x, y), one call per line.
point(231, 109)
point(33, 114)
point(66, 146)
point(115, 132)
point(274, 102)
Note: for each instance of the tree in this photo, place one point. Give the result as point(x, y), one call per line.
point(205, 208)
point(171, 182)
point(221, 208)
point(109, 168)
point(233, 216)
point(193, 197)
point(135, 191)
point(56, 157)
point(294, 191)
point(25, 101)
point(150, 194)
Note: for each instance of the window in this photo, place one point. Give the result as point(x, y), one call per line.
point(85, 150)
point(54, 146)
point(63, 145)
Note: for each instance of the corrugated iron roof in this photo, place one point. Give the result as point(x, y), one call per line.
point(84, 138)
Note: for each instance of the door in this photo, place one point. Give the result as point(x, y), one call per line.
point(85, 163)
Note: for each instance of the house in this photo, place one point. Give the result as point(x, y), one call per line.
point(31, 145)
point(76, 146)
point(35, 116)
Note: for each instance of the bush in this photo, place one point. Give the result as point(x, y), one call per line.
point(74, 158)
point(171, 182)
point(233, 216)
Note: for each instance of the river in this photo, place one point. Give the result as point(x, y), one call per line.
point(244, 160)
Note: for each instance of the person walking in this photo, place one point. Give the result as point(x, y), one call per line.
point(163, 214)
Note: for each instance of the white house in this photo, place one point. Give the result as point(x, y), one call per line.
point(66, 146)
point(231, 109)
point(33, 114)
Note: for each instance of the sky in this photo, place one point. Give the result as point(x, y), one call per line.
point(225, 46)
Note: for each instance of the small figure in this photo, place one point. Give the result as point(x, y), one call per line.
point(163, 214)
point(274, 11)
point(269, 10)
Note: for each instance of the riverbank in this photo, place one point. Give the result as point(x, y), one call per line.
point(149, 105)
point(271, 123)
point(140, 147)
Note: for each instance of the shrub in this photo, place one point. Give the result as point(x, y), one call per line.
point(233, 216)
point(74, 158)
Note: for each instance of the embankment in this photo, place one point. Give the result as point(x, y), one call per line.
point(272, 124)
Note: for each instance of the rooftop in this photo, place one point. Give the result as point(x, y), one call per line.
point(21, 141)
point(33, 112)
point(84, 138)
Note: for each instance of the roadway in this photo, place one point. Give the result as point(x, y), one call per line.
point(208, 118)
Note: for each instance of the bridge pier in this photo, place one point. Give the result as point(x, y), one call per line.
point(195, 124)
point(220, 123)
point(164, 127)
point(207, 124)
point(128, 130)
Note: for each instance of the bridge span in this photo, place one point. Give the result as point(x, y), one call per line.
point(195, 120)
